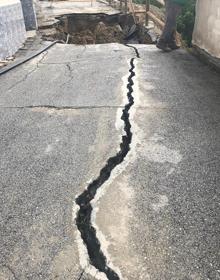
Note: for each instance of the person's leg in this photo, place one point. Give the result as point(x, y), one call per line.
point(170, 25)
point(172, 43)
point(172, 10)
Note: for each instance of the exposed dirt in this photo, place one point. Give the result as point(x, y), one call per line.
point(102, 34)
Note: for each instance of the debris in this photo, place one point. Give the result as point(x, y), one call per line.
point(3, 63)
point(96, 29)
point(108, 34)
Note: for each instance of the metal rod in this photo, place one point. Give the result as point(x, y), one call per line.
point(121, 5)
point(147, 10)
point(126, 6)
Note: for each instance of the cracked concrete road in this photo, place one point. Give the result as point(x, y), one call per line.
point(167, 221)
point(49, 154)
point(157, 217)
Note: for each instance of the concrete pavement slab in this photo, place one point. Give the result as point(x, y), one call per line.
point(166, 225)
point(71, 7)
point(156, 216)
point(69, 76)
point(47, 157)
point(48, 154)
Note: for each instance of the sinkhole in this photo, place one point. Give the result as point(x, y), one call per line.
point(83, 29)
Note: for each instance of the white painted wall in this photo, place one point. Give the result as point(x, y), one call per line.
point(207, 26)
point(12, 28)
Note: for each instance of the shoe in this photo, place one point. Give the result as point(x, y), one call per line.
point(173, 46)
point(162, 45)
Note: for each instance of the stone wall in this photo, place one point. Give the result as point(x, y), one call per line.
point(29, 14)
point(206, 34)
point(12, 28)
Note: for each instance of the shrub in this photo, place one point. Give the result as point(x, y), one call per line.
point(185, 22)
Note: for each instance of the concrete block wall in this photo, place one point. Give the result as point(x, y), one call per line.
point(12, 28)
point(29, 14)
point(206, 34)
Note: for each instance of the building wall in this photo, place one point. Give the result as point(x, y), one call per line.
point(29, 14)
point(12, 28)
point(206, 34)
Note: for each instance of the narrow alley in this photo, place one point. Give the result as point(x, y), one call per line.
point(109, 167)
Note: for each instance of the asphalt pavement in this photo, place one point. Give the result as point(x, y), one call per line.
point(157, 216)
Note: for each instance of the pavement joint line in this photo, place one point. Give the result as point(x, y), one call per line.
point(83, 215)
point(60, 107)
point(89, 107)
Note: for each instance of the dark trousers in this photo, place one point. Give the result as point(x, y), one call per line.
point(172, 11)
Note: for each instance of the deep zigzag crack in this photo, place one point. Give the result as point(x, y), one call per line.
point(83, 218)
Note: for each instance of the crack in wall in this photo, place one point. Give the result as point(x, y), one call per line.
point(83, 216)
